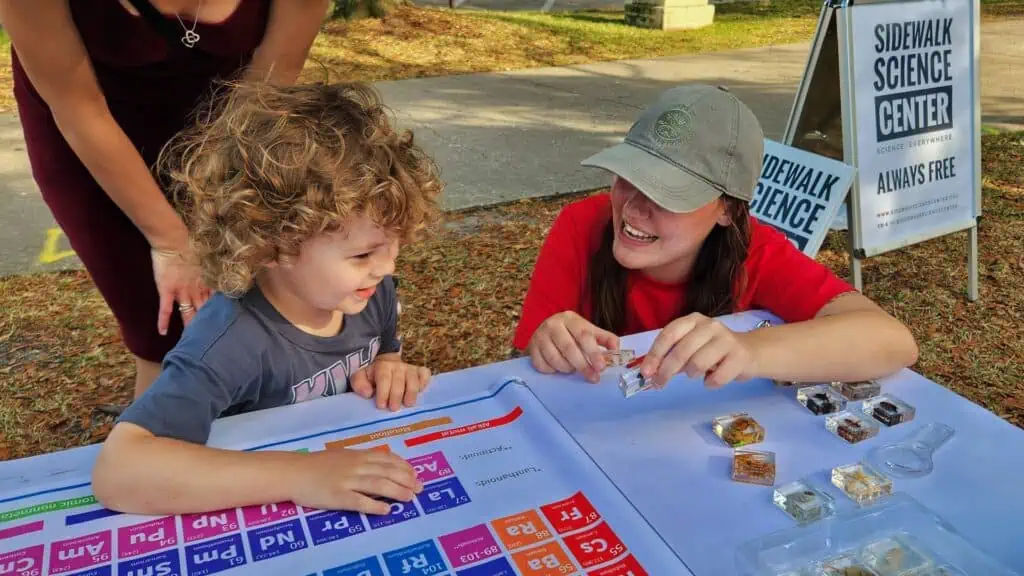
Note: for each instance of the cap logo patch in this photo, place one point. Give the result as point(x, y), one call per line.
point(672, 126)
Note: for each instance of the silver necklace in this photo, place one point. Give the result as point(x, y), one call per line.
point(191, 36)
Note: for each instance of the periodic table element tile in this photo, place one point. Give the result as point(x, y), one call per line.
point(442, 495)
point(365, 567)
point(23, 562)
point(430, 467)
point(213, 556)
point(147, 537)
point(468, 546)
point(208, 525)
point(496, 567)
point(419, 559)
point(400, 512)
point(595, 546)
point(277, 539)
point(268, 513)
point(628, 566)
point(548, 559)
point(521, 530)
point(570, 514)
point(80, 552)
point(327, 527)
point(162, 563)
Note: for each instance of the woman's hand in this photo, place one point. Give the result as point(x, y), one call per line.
point(179, 280)
point(699, 347)
point(566, 342)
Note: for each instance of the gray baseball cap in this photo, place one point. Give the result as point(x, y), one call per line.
point(695, 143)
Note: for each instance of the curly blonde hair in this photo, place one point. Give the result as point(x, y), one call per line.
point(264, 168)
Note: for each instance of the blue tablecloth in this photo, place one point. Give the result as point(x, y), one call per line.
point(659, 449)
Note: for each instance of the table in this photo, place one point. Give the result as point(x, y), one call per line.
point(659, 449)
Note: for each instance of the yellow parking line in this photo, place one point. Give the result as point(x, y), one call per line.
point(51, 250)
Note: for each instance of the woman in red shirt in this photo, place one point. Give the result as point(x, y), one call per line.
point(674, 245)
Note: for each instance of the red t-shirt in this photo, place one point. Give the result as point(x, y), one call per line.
point(779, 278)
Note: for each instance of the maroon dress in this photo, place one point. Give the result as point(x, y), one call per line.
point(151, 87)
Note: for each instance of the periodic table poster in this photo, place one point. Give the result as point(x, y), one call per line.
point(507, 492)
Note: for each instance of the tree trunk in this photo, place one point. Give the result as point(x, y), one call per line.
point(353, 9)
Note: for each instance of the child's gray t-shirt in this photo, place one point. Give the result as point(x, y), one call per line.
point(240, 355)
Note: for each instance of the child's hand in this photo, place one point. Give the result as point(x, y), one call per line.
point(395, 382)
point(567, 342)
point(352, 479)
point(700, 347)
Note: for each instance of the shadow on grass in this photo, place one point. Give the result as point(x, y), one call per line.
point(593, 17)
point(771, 8)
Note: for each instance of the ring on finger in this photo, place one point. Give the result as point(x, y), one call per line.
point(185, 307)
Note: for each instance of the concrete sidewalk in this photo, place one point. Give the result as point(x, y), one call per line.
point(504, 136)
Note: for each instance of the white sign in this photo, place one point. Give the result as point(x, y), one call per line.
point(799, 193)
point(914, 105)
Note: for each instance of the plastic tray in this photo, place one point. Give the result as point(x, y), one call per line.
point(804, 550)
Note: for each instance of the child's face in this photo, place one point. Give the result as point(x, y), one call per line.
point(661, 243)
point(340, 270)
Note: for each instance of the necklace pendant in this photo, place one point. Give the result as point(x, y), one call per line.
point(190, 38)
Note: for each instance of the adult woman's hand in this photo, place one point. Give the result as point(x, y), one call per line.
point(567, 343)
point(699, 347)
point(178, 279)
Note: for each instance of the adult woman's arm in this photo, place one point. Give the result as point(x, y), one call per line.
point(832, 332)
point(851, 338)
point(291, 29)
point(52, 53)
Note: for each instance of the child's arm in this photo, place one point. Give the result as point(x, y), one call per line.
point(155, 460)
point(140, 473)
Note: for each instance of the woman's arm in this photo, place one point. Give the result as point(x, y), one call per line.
point(832, 332)
point(850, 339)
point(557, 280)
point(54, 58)
point(291, 29)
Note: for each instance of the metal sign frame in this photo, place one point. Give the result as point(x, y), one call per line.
point(837, 13)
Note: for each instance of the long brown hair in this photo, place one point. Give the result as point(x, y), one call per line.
point(713, 286)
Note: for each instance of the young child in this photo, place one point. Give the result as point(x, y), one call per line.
point(296, 199)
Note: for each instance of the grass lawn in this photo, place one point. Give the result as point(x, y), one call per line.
point(61, 360)
point(416, 42)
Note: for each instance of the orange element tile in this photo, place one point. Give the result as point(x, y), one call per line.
point(547, 559)
point(520, 530)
